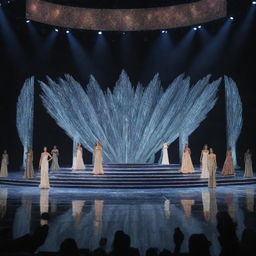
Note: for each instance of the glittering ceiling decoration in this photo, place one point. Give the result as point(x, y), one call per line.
point(126, 19)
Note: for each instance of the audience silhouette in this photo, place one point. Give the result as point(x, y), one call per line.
point(198, 244)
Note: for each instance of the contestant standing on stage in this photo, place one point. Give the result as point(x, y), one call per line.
point(44, 168)
point(4, 165)
point(79, 162)
point(55, 159)
point(187, 165)
point(228, 167)
point(212, 166)
point(165, 157)
point(203, 161)
point(248, 172)
point(97, 157)
point(29, 169)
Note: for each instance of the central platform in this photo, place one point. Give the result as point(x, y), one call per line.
point(127, 176)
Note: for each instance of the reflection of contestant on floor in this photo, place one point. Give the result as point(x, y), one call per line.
point(98, 211)
point(77, 209)
point(3, 201)
point(44, 205)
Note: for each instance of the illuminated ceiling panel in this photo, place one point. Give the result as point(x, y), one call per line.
point(126, 19)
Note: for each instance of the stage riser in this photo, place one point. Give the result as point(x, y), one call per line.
point(127, 177)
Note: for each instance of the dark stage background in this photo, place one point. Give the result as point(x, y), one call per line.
point(36, 49)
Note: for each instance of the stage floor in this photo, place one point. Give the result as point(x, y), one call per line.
point(127, 176)
point(149, 216)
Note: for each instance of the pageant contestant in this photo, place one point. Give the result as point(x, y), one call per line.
point(248, 172)
point(55, 159)
point(97, 157)
point(203, 161)
point(187, 165)
point(228, 167)
point(29, 169)
point(212, 166)
point(165, 157)
point(44, 168)
point(79, 162)
point(4, 165)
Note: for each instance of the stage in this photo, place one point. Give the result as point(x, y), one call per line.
point(127, 176)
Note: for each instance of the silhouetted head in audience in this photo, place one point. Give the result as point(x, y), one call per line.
point(152, 252)
point(199, 245)
point(99, 252)
point(69, 247)
point(118, 240)
point(225, 223)
point(103, 242)
point(45, 216)
point(38, 237)
point(248, 242)
point(165, 252)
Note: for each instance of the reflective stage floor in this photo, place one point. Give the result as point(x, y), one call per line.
point(149, 216)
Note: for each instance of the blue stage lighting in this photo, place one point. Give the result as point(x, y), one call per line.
point(56, 30)
point(99, 33)
point(27, 21)
point(231, 18)
point(253, 2)
point(67, 31)
point(199, 26)
point(195, 28)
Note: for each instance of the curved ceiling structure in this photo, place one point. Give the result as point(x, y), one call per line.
point(126, 19)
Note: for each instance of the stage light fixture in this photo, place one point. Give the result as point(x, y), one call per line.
point(56, 30)
point(231, 18)
point(253, 2)
point(199, 26)
point(27, 21)
point(195, 28)
point(99, 33)
point(67, 31)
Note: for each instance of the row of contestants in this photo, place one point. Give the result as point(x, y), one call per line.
point(78, 163)
point(208, 162)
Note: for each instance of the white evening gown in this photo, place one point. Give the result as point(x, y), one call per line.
point(165, 159)
point(44, 182)
point(204, 167)
point(78, 161)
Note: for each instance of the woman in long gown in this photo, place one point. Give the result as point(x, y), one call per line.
point(228, 167)
point(29, 169)
point(55, 159)
point(79, 162)
point(165, 157)
point(187, 165)
point(97, 156)
point(248, 172)
point(44, 168)
point(4, 165)
point(203, 161)
point(212, 166)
